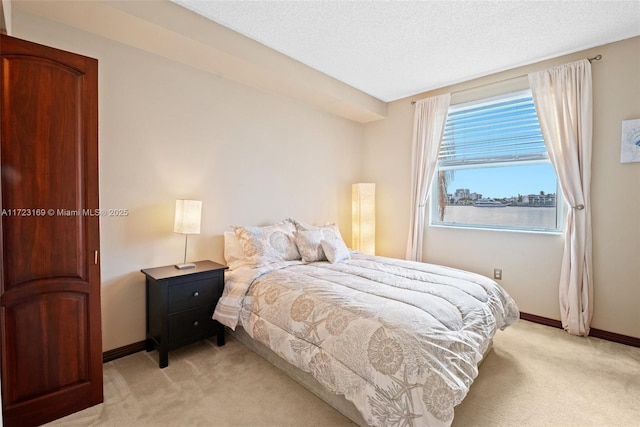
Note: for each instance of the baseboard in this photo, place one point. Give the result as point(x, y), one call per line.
point(126, 350)
point(612, 336)
point(596, 333)
point(541, 320)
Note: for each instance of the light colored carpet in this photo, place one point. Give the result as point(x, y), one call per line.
point(535, 376)
point(542, 376)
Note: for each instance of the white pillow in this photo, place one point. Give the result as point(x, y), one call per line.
point(312, 249)
point(308, 243)
point(233, 253)
point(335, 250)
point(271, 243)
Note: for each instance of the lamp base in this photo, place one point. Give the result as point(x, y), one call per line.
point(185, 266)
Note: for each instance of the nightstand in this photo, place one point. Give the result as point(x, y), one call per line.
point(180, 304)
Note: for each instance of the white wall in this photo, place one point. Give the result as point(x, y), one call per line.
point(168, 131)
point(531, 262)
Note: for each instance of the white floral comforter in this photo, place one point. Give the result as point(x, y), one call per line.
point(400, 339)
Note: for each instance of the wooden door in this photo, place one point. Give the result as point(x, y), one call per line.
point(50, 278)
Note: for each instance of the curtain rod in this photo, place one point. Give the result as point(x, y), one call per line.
point(595, 58)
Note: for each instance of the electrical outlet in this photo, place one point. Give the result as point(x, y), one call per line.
point(497, 273)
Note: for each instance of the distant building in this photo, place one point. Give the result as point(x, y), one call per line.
point(540, 200)
point(462, 193)
point(464, 196)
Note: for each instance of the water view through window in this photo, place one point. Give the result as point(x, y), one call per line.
point(516, 196)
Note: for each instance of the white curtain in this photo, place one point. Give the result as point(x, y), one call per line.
point(428, 128)
point(563, 101)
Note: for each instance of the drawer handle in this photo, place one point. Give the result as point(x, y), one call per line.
point(196, 294)
point(196, 323)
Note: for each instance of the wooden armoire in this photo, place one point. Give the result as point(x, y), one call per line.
point(51, 354)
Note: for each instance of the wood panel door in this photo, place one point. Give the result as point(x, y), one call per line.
point(50, 279)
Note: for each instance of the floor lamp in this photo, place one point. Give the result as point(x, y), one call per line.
point(363, 225)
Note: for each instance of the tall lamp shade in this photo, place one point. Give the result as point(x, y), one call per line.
point(363, 216)
point(187, 221)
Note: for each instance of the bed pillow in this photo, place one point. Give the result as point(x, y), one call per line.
point(334, 249)
point(312, 248)
point(233, 252)
point(267, 244)
point(309, 245)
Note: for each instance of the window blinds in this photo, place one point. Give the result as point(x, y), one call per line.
point(496, 131)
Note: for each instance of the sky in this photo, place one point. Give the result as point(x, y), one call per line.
point(504, 182)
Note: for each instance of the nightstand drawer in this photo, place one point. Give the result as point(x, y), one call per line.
point(191, 325)
point(195, 293)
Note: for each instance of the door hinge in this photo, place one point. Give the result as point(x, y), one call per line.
point(95, 257)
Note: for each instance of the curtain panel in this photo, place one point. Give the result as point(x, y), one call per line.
point(563, 100)
point(428, 128)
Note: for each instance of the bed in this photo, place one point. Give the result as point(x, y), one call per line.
point(400, 340)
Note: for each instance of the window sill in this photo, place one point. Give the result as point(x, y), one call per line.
point(497, 228)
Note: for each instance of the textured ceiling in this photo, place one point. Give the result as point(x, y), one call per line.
point(395, 49)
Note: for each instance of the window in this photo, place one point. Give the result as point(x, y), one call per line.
point(493, 168)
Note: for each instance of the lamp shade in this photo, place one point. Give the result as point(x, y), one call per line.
point(187, 219)
point(363, 211)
